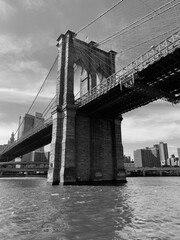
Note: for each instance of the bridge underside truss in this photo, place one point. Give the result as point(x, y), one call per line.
point(161, 80)
point(29, 143)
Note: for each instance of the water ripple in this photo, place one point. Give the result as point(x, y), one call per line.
point(145, 208)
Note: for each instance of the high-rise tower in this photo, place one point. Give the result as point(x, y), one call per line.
point(163, 152)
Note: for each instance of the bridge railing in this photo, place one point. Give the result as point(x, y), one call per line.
point(29, 133)
point(126, 74)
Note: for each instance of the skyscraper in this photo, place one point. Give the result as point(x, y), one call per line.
point(138, 158)
point(155, 156)
point(178, 151)
point(163, 153)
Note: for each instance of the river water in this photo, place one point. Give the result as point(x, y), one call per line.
point(144, 208)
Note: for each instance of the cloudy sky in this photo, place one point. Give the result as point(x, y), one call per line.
point(28, 33)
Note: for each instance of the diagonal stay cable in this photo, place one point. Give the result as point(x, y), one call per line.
point(97, 18)
point(138, 22)
point(148, 40)
point(38, 93)
point(42, 85)
point(154, 10)
point(46, 110)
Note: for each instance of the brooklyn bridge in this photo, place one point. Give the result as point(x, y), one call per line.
point(84, 130)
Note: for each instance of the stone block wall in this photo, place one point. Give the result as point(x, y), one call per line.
point(94, 149)
point(106, 149)
point(82, 143)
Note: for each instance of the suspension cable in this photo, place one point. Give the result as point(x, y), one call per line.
point(154, 10)
point(42, 85)
point(37, 94)
point(148, 40)
point(46, 110)
point(131, 26)
point(97, 18)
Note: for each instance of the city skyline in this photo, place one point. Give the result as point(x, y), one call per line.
point(176, 153)
point(155, 156)
point(29, 30)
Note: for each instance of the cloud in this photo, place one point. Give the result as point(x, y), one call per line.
point(9, 95)
point(6, 10)
point(25, 65)
point(22, 74)
point(6, 130)
point(30, 47)
point(1, 115)
point(152, 123)
point(150, 132)
point(14, 45)
point(148, 125)
point(15, 96)
point(33, 4)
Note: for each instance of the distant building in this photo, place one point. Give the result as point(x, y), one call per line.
point(155, 156)
point(129, 165)
point(148, 157)
point(139, 157)
point(127, 159)
point(178, 151)
point(2, 147)
point(173, 161)
point(163, 152)
point(26, 124)
point(12, 139)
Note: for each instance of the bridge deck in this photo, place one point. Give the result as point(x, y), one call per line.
point(38, 138)
point(159, 80)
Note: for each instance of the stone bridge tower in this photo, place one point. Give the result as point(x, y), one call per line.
point(85, 149)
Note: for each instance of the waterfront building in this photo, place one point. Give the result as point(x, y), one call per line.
point(127, 159)
point(154, 156)
point(140, 156)
point(163, 153)
point(129, 165)
point(173, 161)
point(148, 157)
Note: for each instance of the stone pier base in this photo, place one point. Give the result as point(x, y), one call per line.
point(97, 154)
